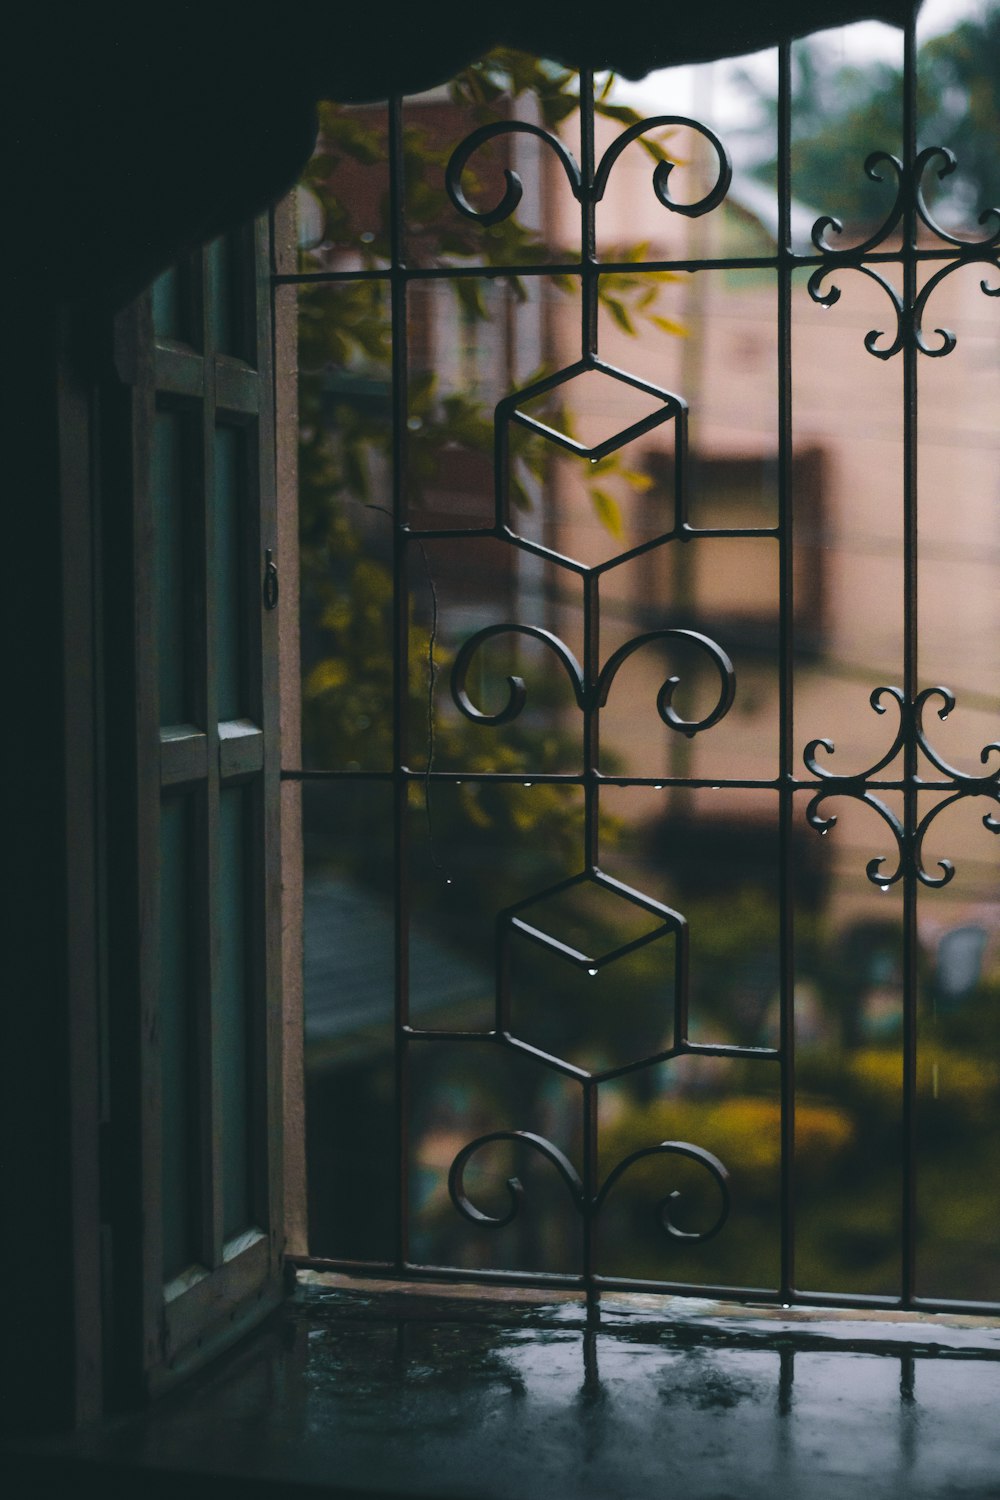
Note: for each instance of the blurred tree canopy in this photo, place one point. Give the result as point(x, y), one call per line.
point(843, 111)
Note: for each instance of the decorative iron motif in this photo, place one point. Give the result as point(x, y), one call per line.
point(513, 922)
point(909, 205)
point(511, 410)
point(592, 1206)
point(909, 733)
point(593, 191)
point(594, 694)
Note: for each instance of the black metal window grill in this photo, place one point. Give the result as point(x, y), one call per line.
point(906, 787)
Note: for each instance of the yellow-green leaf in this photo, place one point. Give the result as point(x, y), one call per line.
point(608, 513)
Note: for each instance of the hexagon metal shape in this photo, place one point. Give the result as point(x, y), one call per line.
point(511, 410)
point(513, 921)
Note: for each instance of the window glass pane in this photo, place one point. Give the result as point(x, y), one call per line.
point(168, 518)
point(166, 303)
point(176, 1039)
point(221, 290)
point(232, 1011)
point(349, 983)
point(230, 469)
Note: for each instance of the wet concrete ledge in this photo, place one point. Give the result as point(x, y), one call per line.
point(373, 1389)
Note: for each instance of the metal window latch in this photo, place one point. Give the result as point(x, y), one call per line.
point(270, 581)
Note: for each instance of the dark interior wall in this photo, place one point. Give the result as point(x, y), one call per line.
point(128, 139)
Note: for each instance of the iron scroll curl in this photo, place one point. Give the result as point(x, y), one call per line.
point(514, 189)
point(873, 869)
point(515, 1188)
point(664, 705)
point(828, 222)
point(518, 692)
point(698, 1154)
point(832, 295)
point(948, 164)
point(663, 169)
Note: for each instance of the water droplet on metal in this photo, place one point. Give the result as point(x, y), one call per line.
point(527, 783)
point(823, 832)
point(885, 890)
point(716, 788)
point(591, 971)
point(658, 787)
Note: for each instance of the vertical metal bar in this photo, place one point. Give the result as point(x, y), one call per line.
point(910, 666)
point(591, 720)
point(400, 678)
point(588, 231)
point(591, 655)
point(786, 726)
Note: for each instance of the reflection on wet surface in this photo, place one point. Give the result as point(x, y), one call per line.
point(461, 1393)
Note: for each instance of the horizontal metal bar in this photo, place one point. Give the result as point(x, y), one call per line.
point(625, 267)
point(422, 1034)
point(310, 775)
point(657, 783)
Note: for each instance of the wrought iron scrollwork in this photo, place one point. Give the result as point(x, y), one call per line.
point(570, 1176)
point(910, 730)
point(828, 222)
point(910, 195)
point(873, 869)
point(817, 767)
point(833, 294)
point(514, 189)
point(595, 695)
